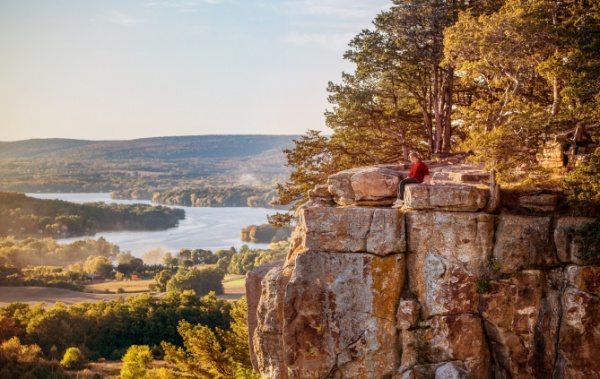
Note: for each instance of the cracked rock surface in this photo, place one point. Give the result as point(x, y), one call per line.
point(375, 292)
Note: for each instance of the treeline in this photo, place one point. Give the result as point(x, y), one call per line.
point(21, 215)
point(264, 233)
point(236, 196)
point(108, 329)
point(46, 251)
point(148, 165)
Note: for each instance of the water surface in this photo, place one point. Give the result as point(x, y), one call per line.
point(202, 228)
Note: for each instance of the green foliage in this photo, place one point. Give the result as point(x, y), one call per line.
point(161, 279)
point(264, 233)
point(524, 65)
point(218, 354)
point(584, 180)
point(200, 281)
point(73, 359)
point(107, 329)
point(25, 361)
point(588, 240)
point(25, 216)
point(135, 362)
point(39, 252)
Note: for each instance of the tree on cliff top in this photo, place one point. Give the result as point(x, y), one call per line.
point(534, 67)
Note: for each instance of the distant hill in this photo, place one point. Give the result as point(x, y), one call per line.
point(184, 147)
point(160, 167)
point(38, 147)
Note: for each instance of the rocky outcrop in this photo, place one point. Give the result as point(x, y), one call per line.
point(425, 292)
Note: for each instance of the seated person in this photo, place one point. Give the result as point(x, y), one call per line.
point(419, 173)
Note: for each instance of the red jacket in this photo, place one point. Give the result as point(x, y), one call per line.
point(418, 171)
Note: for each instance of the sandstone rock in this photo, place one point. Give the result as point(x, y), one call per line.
point(364, 183)
point(377, 231)
point(470, 177)
point(455, 341)
point(408, 314)
point(268, 335)
point(542, 202)
point(585, 279)
point(579, 336)
point(552, 156)
point(450, 371)
point(340, 315)
point(253, 293)
point(445, 197)
point(546, 331)
point(448, 251)
point(320, 191)
point(375, 185)
point(511, 309)
point(567, 249)
point(410, 352)
point(523, 241)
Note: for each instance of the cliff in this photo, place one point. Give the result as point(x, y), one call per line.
point(438, 289)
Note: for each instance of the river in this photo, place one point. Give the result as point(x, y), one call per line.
point(202, 228)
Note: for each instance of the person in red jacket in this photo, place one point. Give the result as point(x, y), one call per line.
point(419, 173)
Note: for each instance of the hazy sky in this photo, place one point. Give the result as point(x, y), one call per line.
point(123, 69)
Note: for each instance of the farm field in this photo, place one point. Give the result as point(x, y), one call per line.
point(234, 289)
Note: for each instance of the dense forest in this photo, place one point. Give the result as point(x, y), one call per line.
point(21, 215)
point(499, 79)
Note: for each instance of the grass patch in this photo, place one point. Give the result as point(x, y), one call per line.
point(236, 283)
point(128, 286)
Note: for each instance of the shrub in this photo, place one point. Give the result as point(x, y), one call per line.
point(73, 359)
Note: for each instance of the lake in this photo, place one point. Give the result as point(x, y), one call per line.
point(203, 228)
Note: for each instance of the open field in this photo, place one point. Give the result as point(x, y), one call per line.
point(234, 289)
point(113, 286)
point(34, 295)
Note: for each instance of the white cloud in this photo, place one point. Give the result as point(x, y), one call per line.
point(324, 41)
point(120, 18)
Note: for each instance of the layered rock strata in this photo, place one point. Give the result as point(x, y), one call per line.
point(443, 291)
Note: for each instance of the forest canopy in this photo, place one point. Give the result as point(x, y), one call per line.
point(22, 215)
point(495, 78)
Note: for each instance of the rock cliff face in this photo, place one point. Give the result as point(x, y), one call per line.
point(438, 289)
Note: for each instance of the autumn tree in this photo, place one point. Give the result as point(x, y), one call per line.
point(533, 67)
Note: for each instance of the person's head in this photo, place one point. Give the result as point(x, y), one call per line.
point(414, 156)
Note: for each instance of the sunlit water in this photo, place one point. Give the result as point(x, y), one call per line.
point(202, 228)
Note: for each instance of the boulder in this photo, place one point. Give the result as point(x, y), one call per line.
point(523, 241)
point(541, 202)
point(566, 248)
point(461, 198)
point(320, 192)
point(340, 315)
point(470, 177)
point(376, 231)
point(373, 183)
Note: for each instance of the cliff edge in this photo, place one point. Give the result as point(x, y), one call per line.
point(438, 289)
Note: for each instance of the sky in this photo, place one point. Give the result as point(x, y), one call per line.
point(126, 69)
